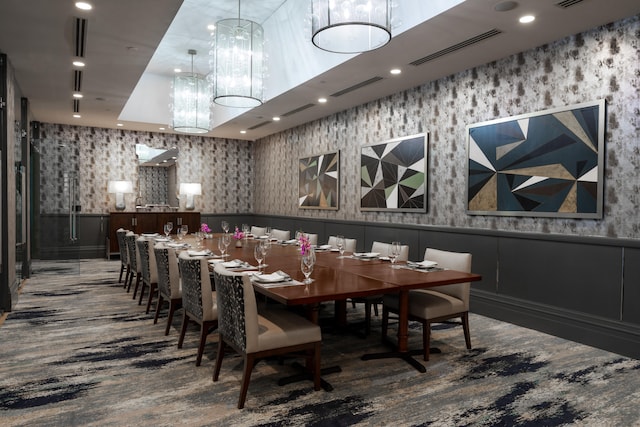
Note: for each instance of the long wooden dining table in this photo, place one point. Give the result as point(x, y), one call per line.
point(338, 278)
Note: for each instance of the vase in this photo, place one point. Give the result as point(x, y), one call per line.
point(238, 243)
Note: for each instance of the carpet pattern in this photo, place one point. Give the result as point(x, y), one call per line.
point(79, 351)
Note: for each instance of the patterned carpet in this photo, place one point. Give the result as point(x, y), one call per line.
point(79, 351)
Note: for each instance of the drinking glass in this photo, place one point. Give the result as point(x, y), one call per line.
point(267, 231)
point(226, 240)
point(225, 226)
point(245, 230)
point(307, 262)
point(222, 246)
point(258, 253)
point(340, 245)
point(167, 229)
point(394, 252)
point(183, 231)
point(199, 238)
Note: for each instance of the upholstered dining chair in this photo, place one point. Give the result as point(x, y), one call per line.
point(349, 244)
point(256, 336)
point(169, 285)
point(373, 300)
point(439, 304)
point(258, 231)
point(149, 269)
point(133, 260)
point(281, 235)
point(313, 238)
point(122, 246)
point(198, 299)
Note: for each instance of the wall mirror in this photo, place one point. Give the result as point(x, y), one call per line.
point(157, 178)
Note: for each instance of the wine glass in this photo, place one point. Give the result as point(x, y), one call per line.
point(184, 229)
point(394, 252)
point(226, 240)
point(167, 229)
point(225, 226)
point(245, 230)
point(199, 238)
point(307, 262)
point(222, 246)
point(266, 246)
point(340, 245)
point(267, 232)
point(258, 253)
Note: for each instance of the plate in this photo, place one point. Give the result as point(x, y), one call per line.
point(270, 278)
point(366, 254)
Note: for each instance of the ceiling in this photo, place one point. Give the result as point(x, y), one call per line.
point(132, 47)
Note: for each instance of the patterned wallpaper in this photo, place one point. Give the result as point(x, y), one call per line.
point(600, 63)
point(222, 166)
point(154, 182)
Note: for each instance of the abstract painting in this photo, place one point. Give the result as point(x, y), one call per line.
point(393, 175)
point(319, 181)
point(547, 164)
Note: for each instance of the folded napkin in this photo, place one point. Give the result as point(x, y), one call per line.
point(149, 234)
point(162, 239)
point(290, 242)
point(178, 245)
point(278, 276)
point(232, 264)
point(366, 254)
point(422, 264)
point(324, 247)
point(199, 253)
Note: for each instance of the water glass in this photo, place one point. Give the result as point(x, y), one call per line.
point(394, 252)
point(258, 253)
point(167, 228)
point(225, 226)
point(307, 262)
point(222, 247)
point(340, 245)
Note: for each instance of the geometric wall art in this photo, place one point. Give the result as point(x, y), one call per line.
point(318, 181)
point(393, 175)
point(547, 164)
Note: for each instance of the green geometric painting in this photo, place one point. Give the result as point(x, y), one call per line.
point(393, 175)
point(319, 181)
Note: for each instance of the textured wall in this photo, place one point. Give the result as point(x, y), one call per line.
point(154, 184)
point(601, 63)
point(222, 166)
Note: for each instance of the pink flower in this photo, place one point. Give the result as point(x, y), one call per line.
point(237, 234)
point(303, 241)
point(205, 228)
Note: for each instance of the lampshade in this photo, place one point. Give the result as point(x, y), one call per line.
point(124, 187)
point(191, 106)
point(191, 188)
point(238, 63)
point(350, 26)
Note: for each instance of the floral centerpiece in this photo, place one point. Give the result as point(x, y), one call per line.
point(205, 230)
point(305, 245)
point(238, 235)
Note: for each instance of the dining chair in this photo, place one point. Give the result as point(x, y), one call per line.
point(258, 335)
point(198, 299)
point(372, 301)
point(313, 239)
point(133, 260)
point(281, 235)
point(122, 246)
point(258, 231)
point(149, 269)
point(349, 244)
point(439, 304)
point(169, 285)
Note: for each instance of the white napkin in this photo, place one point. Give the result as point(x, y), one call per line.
point(178, 245)
point(198, 253)
point(423, 264)
point(278, 276)
point(149, 234)
point(289, 242)
point(232, 264)
point(162, 239)
point(324, 247)
point(366, 254)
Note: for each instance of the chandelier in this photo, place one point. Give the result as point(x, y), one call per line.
point(191, 102)
point(350, 26)
point(238, 63)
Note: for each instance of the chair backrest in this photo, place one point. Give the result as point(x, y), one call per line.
point(349, 244)
point(133, 257)
point(168, 271)
point(197, 297)
point(280, 234)
point(313, 238)
point(258, 231)
point(383, 249)
point(148, 266)
point(122, 245)
point(455, 261)
point(237, 309)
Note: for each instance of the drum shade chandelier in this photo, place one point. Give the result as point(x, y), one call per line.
point(350, 26)
point(191, 105)
point(238, 63)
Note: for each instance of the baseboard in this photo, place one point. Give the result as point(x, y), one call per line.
point(611, 335)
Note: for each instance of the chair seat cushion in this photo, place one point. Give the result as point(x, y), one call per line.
point(427, 304)
point(281, 328)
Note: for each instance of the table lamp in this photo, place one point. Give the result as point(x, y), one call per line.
point(120, 188)
point(190, 189)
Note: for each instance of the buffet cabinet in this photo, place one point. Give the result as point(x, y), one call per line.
point(148, 222)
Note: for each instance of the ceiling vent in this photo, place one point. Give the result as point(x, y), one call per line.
point(80, 36)
point(76, 105)
point(568, 3)
point(259, 125)
point(297, 110)
point(357, 86)
point(77, 81)
point(457, 46)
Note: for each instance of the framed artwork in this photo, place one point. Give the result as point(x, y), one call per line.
point(393, 175)
point(319, 181)
point(544, 164)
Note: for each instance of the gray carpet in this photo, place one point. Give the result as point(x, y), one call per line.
point(79, 351)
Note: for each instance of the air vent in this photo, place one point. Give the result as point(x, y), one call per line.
point(297, 110)
point(457, 46)
point(77, 81)
point(80, 36)
point(259, 125)
point(76, 105)
point(357, 86)
point(568, 3)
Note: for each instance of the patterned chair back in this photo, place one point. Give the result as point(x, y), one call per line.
point(132, 252)
point(168, 271)
point(147, 260)
point(197, 297)
point(122, 245)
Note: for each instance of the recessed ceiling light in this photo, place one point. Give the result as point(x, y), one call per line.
point(276, 119)
point(526, 19)
point(77, 116)
point(211, 27)
point(119, 124)
point(177, 70)
point(77, 95)
point(243, 131)
point(161, 128)
point(395, 71)
point(84, 5)
point(322, 100)
point(78, 63)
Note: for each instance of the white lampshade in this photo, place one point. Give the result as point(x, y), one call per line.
point(191, 188)
point(124, 187)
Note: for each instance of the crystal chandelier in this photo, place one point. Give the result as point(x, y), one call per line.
point(238, 63)
point(191, 102)
point(350, 26)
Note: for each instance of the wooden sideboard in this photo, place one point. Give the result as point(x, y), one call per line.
point(148, 222)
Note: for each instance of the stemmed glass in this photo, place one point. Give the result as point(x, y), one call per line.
point(258, 253)
point(307, 262)
point(226, 240)
point(394, 252)
point(267, 231)
point(225, 226)
point(184, 230)
point(222, 246)
point(245, 231)
point(167, 229)
point(340, 245)
point(199, 237)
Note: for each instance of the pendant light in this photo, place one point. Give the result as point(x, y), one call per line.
point(191, 101)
